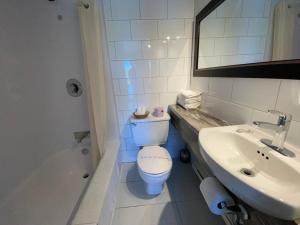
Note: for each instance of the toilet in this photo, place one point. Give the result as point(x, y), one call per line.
point(154, 162)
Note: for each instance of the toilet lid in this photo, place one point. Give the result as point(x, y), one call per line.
point(154, 160)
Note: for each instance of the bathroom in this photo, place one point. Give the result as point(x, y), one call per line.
point(156, 112)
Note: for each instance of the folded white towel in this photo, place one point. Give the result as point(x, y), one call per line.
point(190, 106)
point(190, 94)
point(184, 100)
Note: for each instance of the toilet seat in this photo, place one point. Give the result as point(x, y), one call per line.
point(154, 160)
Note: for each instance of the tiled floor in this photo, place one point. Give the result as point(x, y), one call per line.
point(180, 203)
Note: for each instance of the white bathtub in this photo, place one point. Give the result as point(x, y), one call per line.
point(50, 195)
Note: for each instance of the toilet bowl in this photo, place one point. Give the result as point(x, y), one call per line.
point(154, 166)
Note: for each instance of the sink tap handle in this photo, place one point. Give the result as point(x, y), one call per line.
point(283, 118)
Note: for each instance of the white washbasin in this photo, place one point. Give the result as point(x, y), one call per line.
point(272, 184)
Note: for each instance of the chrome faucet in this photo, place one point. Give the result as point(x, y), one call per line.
point(281, 128)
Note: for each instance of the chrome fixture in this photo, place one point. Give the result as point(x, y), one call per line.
point(281, 128)
point(80, 135)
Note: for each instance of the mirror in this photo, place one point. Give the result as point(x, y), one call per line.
point(231, 33)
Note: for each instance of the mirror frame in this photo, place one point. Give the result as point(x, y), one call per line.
point(284, 69)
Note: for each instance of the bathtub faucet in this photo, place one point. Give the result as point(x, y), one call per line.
point(80, 135)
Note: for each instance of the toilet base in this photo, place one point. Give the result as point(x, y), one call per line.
point(154, 189)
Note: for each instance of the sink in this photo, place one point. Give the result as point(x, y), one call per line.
point(260, 176)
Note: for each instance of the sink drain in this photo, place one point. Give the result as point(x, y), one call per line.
point(247, 172)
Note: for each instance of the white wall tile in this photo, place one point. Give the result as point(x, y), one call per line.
point(130, 10)
point(188, 66)
point(153, 9)
point(154, 49)
point(166, 99)
point(188, 28)
point(116, 87)
point(148, 100)
point(131, 86)
point(118, 30)
point(125, 132)
point(155, 85)
point(220, 87)
point(268, 6)
point(263, 116)
point(111, 50)
point(199, 83)
point(172, 67)
point(236, 27)
point(122, 69)
point(126, 116)
point(228, 111)
point(120, 118)
point(170, 29)
point(230, 8)
point(179, 48)
point(180, 9)
point(107, 9)
point(253, 8)
point(144, 29)
point(176, 84)
point(128, 50)
point(130, 145)
point(126, 102)
point(256, 93)
point(289, 98)
point(147, 68)
point(128, 156)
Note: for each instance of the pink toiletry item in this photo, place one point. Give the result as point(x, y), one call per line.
point(158, 112)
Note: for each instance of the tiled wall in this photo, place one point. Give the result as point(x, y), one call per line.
point(235, 33)
point(243, 100)
point(150, 51)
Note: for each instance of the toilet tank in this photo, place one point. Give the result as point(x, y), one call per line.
point(151, 130)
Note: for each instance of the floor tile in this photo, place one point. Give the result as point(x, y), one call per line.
point(184, 183)
point(159, 214)
point(134, 194)
point(184, 190)
point(182, 171)
point(197, 213)
point(129, 172)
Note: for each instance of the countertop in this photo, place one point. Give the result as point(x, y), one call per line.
point(196, 118)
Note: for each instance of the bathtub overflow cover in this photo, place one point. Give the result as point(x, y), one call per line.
point(74, 88)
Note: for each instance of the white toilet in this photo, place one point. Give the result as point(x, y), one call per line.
point(154, 162)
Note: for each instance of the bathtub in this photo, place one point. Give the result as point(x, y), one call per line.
point(50, 195)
